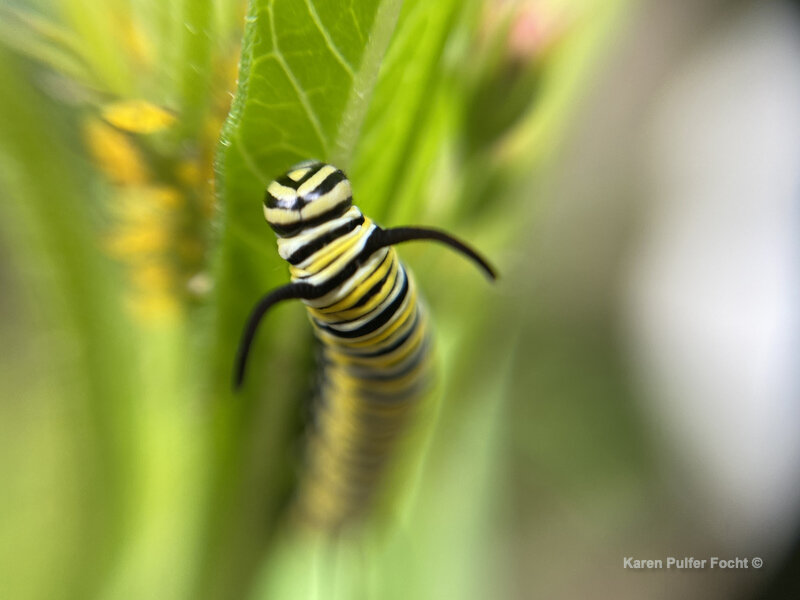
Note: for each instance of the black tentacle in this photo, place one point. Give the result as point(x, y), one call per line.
point(382, 238)
point(292, 291)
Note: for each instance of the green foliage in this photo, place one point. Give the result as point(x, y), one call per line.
point(168, 484)
point(78, 351)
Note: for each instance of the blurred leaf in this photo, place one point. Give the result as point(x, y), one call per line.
point(194, 69)
point(403, 98)
point(97, 26)
point(41, 40)
point(103, 411)
point(81, 368)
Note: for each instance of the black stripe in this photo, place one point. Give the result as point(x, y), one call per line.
point(313, 169)
point(317, 244)
point(372, 325)
point(391, 348)
point(286, 181)
point(399, 274)
point(403, 395)
point(317, 291)
point(271, 201)
point(374, 431)
point(380, 415)
point(387, 373)
point(295, 228)
point(325, 402)
point(374, 312)
point(375, 288)
point(326, 186)
point(380, 264)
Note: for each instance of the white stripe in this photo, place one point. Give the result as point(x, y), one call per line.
point(400, 310)
point(355, 324)
point(315, 180)
point(298, 174)
point(340, 192)
point(340, 240)
point(288, 246)
point(338, 293)
point(282, 192)
point(333, 268)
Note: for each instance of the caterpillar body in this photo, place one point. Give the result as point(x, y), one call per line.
point(371, 324)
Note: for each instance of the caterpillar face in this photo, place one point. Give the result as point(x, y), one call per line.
point(307, 195)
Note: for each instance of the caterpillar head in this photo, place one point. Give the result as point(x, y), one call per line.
point(307, 195)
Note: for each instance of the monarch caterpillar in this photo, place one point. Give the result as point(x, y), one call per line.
point(373, 329)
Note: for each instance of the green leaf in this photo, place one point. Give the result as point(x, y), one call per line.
point(403, 99)
point(306, 77)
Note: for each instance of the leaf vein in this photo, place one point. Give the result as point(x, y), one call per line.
point(312, 10)
point(356, 23)
point(312, 115)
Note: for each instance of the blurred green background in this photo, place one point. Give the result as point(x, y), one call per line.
point(136, 138)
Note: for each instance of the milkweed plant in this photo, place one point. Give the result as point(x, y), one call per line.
point(136, 140)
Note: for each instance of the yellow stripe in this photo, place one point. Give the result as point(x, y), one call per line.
point(340, 307)
point(333, 260)
point(350, 385)
point(324, 256)
point(379, 334)
point(383, 303)
point(403, 330)
point(377, 299)
point(382, 361)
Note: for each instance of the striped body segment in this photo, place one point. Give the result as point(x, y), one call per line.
point(373, 329)
point(374, 336)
